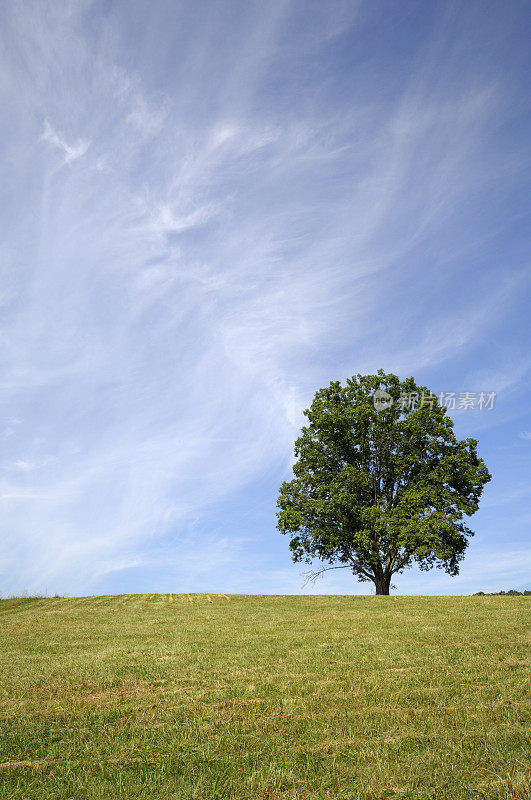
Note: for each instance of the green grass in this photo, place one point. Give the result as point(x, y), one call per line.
point(263, 697)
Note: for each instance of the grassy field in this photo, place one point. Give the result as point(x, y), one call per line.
point(223, 698)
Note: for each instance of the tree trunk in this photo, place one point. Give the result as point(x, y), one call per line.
point(382, 585)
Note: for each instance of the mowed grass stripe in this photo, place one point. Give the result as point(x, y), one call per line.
point(265, 697)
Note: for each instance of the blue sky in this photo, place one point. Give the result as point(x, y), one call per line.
point(211, 209)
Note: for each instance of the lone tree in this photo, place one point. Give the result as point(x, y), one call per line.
point(381, 481)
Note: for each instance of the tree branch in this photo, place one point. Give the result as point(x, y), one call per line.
point(312, 575)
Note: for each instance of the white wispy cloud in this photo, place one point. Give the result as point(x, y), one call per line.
point(71, 151)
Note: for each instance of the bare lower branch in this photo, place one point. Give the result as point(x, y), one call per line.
point(312, 575)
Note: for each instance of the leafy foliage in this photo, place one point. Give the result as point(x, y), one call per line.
point(376, 489)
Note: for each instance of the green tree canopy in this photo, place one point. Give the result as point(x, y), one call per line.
point(381, 481)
